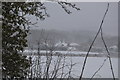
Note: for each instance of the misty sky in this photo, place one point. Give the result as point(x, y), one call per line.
point(88, 18)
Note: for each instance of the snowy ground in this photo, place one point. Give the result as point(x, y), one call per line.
point(69, 53)
point(63, 52)
point(93, 64)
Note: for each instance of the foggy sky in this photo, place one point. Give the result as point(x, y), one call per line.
point(88, 18)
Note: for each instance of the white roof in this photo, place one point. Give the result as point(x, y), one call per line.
point(74, 44)
point(59, 44)
point(115, 47)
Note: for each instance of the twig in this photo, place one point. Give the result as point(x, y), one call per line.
point(93, 43)
point(57, 67)
point(63, 67)
point(65, 4)
point(99, 68)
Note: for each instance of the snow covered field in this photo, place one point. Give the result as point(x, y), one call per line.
point(93, 64)
point(63, 52)
point(68, 53)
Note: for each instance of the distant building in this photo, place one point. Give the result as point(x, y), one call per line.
point(61, 44)
point(113, 48)
point(74, 44)
point(71, 49)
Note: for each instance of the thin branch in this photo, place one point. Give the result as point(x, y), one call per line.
point(105, 59)
point(63, 67)
point(108, 54)
point(93, 43)
point(99, 68)
point(65, 4)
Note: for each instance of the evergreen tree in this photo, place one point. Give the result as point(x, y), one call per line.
point(15, 29)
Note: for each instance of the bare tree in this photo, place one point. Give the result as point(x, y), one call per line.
point(99, 30)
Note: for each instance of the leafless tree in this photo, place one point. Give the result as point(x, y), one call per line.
point(99, 30)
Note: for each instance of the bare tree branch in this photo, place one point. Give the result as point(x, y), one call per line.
point(65, 4)
point(108, 54)
point(99, 68)
point(84, 63)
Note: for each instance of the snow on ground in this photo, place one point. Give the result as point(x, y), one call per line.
point(92, 65)
point(63, 52)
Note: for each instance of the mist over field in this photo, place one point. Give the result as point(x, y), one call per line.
point(82, 38)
